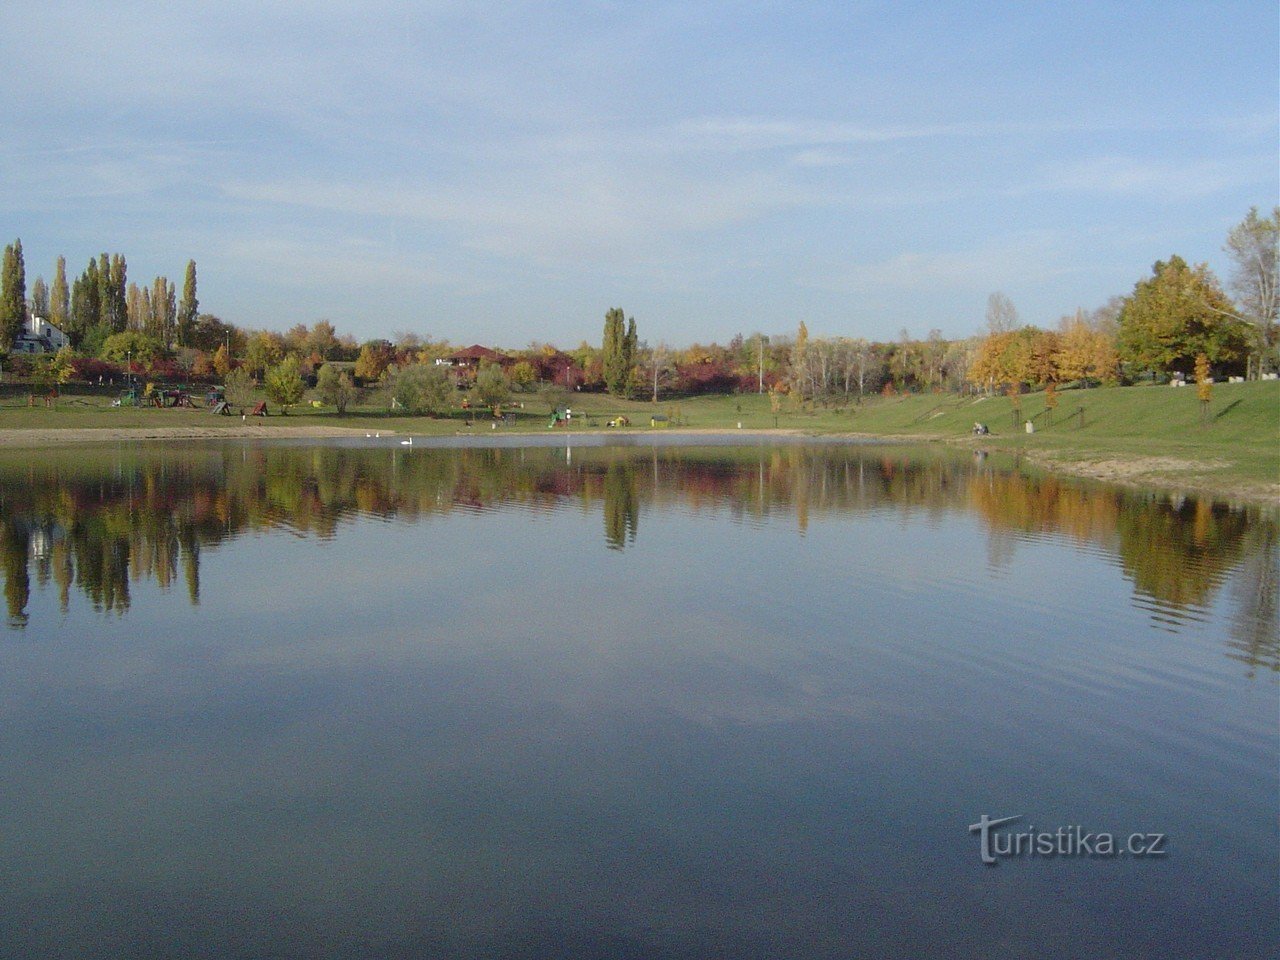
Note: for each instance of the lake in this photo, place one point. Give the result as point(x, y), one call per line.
point(354, 699)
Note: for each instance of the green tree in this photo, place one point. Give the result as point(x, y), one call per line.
point(631, 358)
point(284, 383)
point(1175, 314)
point(50, 372)
point(132, 346)
point(86, 307)
point(611, 347)
point(335, 387)
point(13, 295)
point(420, 388)
point(238, 388)
point(164, 309)
point(211, 333)
point(60, 297)
point(112, 292)
point(189, 308)
point(492, 386)
point(263, 352)
point(618, 352)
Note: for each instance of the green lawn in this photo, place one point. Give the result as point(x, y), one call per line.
point(1240, 440)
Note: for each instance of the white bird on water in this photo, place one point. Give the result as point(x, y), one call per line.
point(407, 443)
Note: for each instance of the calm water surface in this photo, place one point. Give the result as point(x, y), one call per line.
point(296, 700)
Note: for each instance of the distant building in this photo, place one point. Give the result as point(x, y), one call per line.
point(471, 357)
point(40, 336)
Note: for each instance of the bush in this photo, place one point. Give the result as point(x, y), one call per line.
point(420, 389)
point(336, 388)
point(284, 383)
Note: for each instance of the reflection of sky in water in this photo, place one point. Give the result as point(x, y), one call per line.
point(488, 734)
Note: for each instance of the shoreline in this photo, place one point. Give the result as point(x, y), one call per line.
point(1167, 474)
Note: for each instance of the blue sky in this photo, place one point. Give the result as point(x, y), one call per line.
point(507, 171)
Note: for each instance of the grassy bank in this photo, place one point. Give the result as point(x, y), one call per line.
point(1147, 435)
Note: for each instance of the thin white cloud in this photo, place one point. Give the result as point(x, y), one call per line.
point(1122, 175)
point(1015, 260)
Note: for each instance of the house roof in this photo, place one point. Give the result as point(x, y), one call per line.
point(477, 353)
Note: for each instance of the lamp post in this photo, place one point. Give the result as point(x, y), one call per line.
point(128, 368)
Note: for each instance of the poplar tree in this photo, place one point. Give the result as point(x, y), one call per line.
point(189, 308)
point(86, 304)
point(60, 297)
point(163, 310)
point(119, 313)
point(40, 299)
point(618, 352)
point(13, 295)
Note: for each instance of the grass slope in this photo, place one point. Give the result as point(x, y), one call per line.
point(1143, 434)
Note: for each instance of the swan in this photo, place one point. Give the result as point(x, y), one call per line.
point(407, 443)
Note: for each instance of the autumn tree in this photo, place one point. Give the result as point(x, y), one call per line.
point(523, 375)
point(1085, 350)
point(322, 340)
point(1204, 385)
point(375, 356)
point(1176, 314)
point(222, 361)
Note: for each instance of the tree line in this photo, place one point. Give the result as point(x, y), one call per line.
point(1179, 315)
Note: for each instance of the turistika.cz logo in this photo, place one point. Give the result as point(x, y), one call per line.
point(1071, 841)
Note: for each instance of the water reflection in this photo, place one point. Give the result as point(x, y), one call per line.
point(102, 520)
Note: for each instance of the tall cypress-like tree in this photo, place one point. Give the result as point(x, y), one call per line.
point(613, 352)
point(86, 304)
point(163, 310)
point(630, 344)
point(13, 295)
point(40, 299)
point(106, 315)
point(60, 296)
point(189, 308)
point(119, 310)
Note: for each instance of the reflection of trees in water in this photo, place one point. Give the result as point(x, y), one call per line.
point(1255, 621)
point(103, 524)
point(621, 504)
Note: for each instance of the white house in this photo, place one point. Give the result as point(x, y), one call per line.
point(40, 336)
